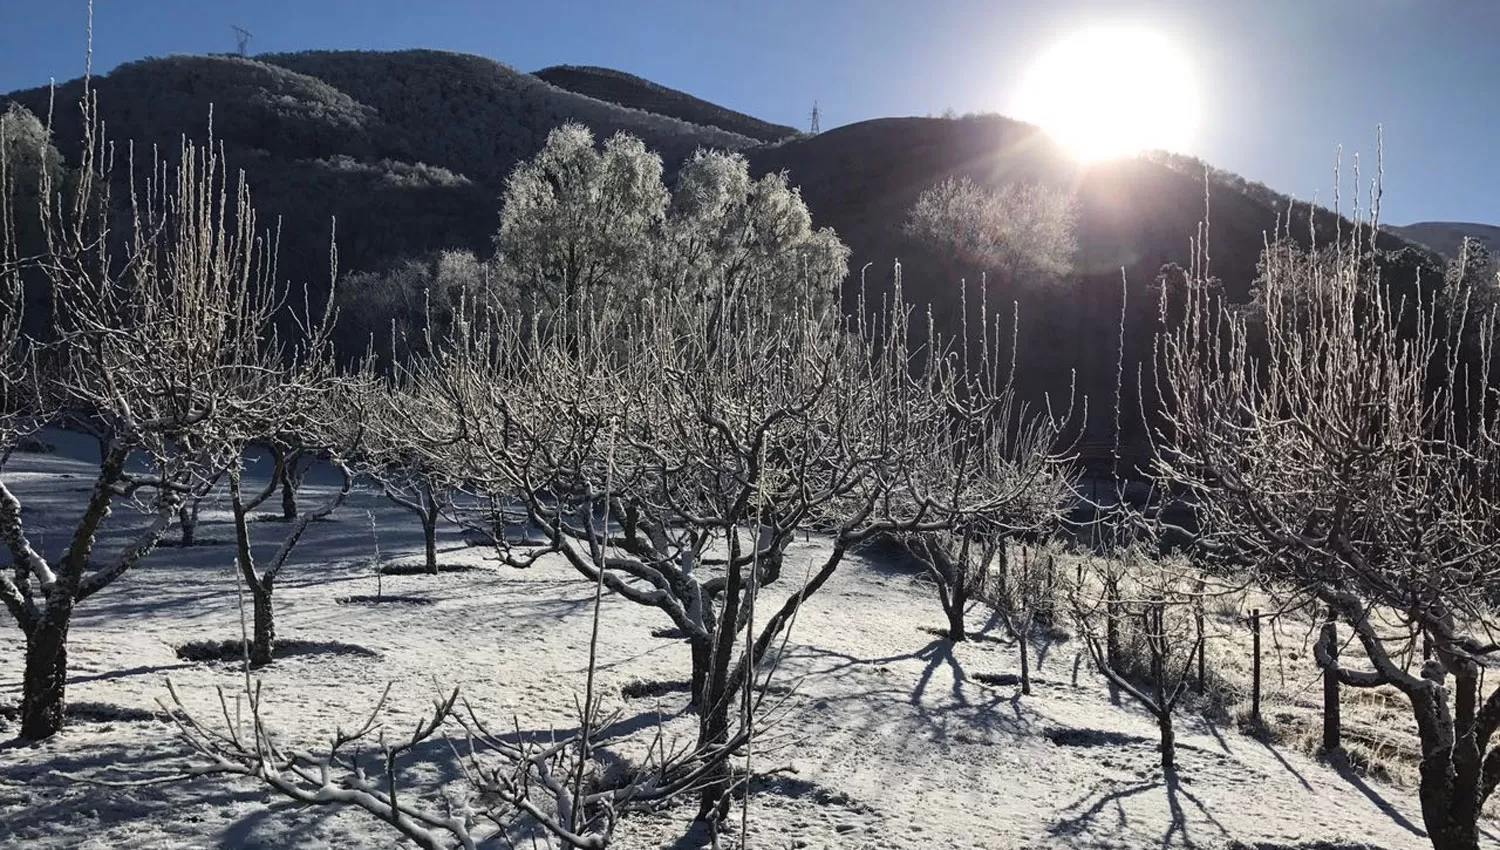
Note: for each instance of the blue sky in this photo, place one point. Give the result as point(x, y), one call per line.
point(1285, 82)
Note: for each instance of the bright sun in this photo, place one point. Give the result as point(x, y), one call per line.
point(1111, 91)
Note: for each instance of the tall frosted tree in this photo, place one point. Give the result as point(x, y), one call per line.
point(30, 169)
point(727, 233)
point(1022, 231)
point(577, 221)
point(28, 150)
point(599, 225)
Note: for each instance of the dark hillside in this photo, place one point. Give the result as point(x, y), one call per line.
point(1134, 216)
point(1446, 237)
point(632, 91)
point(410, 150)
point(478, 117)
point(254, 105)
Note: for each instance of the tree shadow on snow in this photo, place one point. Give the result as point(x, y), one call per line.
point(139, 670)
point(44, 806)
point(1091, 820)
point(968, 713)
point(232, 651)
point(1340, 763)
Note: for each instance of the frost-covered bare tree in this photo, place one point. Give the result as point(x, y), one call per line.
point(1346, 445)
point(1158, 599)
point(1012, 453)
point(400, 459)
point(307, 405)
point(159, 317)
point(1027, 596)
point(961, 565)
point(1023, 231)
point(703, 453)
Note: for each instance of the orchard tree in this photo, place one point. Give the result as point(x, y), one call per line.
point(1159, 598)
point(407, 476)
point(161, 324)
point(674, 467)
point(307, 410)
point(1348, 446)
point(1013, 453)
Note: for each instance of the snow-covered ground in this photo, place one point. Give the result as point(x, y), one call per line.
point(894, 740)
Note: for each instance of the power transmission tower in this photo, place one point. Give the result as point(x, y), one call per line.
point(815, 129)
point(242, 38)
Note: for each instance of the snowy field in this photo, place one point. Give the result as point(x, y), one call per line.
point(889, 737)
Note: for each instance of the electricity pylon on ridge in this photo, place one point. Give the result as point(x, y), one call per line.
point(242, 38)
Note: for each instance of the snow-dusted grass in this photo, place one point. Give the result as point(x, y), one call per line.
point(893, 739)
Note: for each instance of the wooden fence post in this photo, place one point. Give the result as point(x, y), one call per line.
point(1255, 675)
point(1202, 639)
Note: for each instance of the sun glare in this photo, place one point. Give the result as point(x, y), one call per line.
point(1111, 91)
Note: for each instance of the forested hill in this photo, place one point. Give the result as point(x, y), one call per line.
point(1446, 237)
point(410, 150)
point(629, 90)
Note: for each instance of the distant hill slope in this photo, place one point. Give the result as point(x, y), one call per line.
point(1134, 216)
point(409, 151)
point(1446, 237)
point(632, 91)
point(480, 117)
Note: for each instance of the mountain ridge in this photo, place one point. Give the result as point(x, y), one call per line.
point(636, 92)
point(1446, 237)
point(409, 152)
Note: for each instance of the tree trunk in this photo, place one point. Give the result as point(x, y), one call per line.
point(1112, 621)
point(1451, 825)
point(1455, 836)
point(46, 677)
point(1168, 741)
point(1255, 665)
point(713, 731)
point(187, 517)
point(263, 641)
point(954, 603)
point(713, 728)
point(1025, 645)
point(1331, 720)
point(1021, 637)
point(1002, 590)
point(288, 497)
point(1046, 611)
point(1452, 765)
point(429, 541)
point(1156, 639)
point(703, 653)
